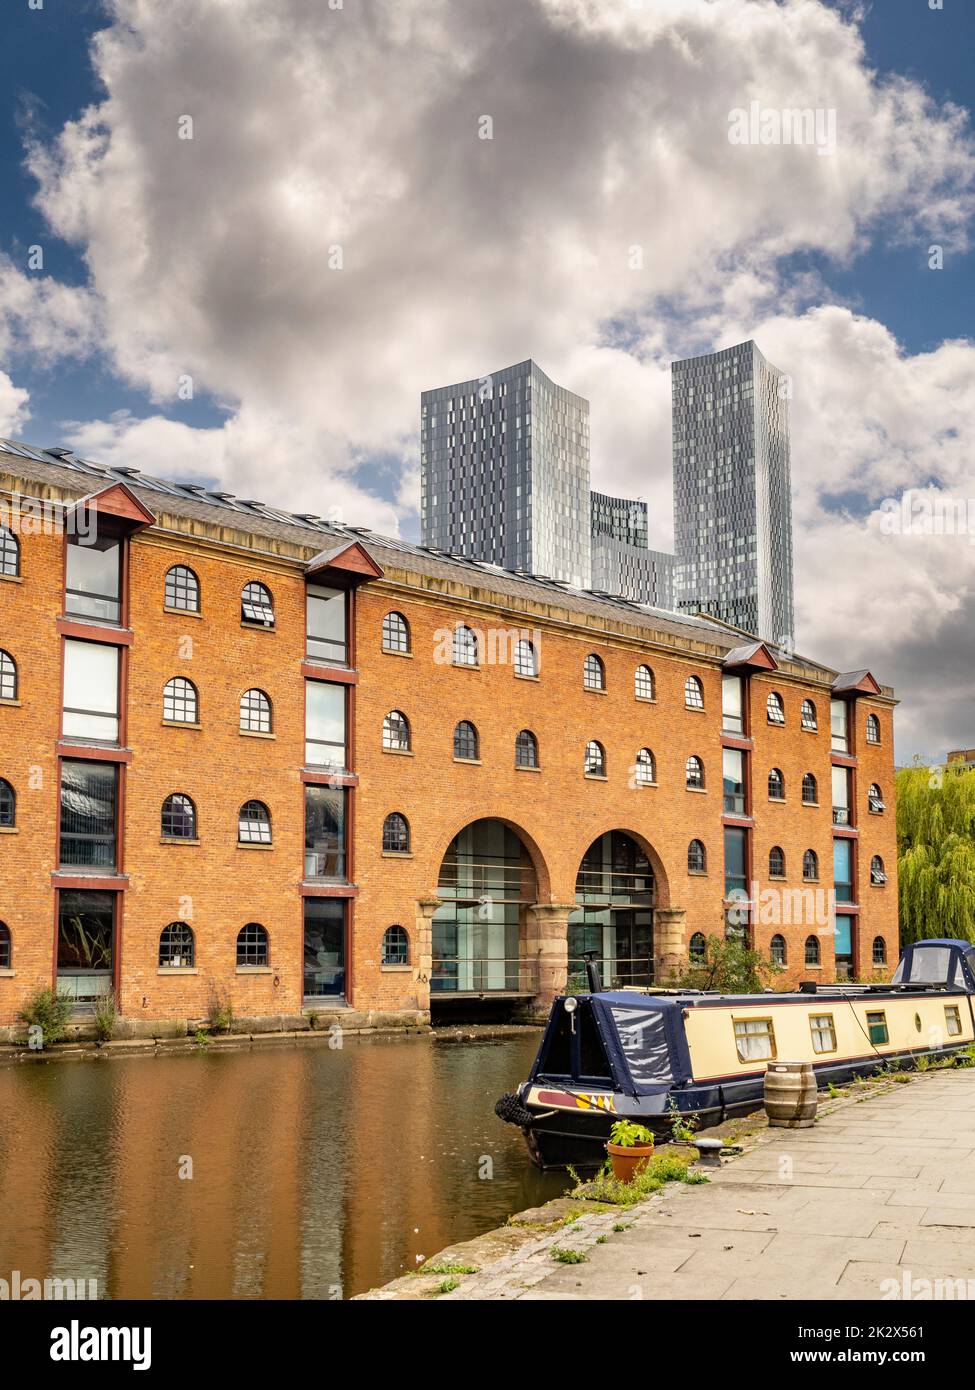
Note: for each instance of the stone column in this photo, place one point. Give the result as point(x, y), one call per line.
point(547, 950)
point(425, 908)
point(669, 946)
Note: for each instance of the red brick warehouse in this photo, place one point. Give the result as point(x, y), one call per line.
point(260, 758)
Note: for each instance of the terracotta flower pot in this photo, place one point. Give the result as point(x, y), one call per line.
point(628, 1162)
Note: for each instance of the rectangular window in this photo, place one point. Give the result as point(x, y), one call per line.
point(843, 946)
point(86, 938)
point(953, 1020)
point(823, 1032)
point(755, 1039)
point(325, 725)
point(324, 948)
point(735, 875)
point(327, 624)
point(89, 794)
point(93, 578)
point(732, 719)
point(733, 767)
point(877, 1028)
point(91, 693)
point(325, 832)
point(843, 870)
point(841, 796)
point(838, 726)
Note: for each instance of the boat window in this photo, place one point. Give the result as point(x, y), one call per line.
point(953, 1020)
point(929, 965)
point(877, 1027)
point(823, 1032)
point(643, 1038)
point(755, 1039)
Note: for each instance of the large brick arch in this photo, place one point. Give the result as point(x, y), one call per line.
point(657, 864)
point(543, 875)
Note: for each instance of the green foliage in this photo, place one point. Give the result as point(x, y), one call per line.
point(448, 1285)
point(729, 967)
point(658, 1171)
point(106, 1017)
point(682, 1129)
point(628, 1135)
point(220, 1012)
point(49, 1010)
point(201, 1038)
point(568, 1257)
point(936, 853)
point(448, 1267)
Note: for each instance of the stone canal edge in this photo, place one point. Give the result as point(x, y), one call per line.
point(875, 1202)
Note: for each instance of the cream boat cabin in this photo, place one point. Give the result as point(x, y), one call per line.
point(649, 1055)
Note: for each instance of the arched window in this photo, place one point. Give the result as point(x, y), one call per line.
point(697, 947)
point(810, 866)
point(644, 683)
point(178, 818)
point(694, 773)
point(595, 763)
point(875, 800)
point(812, 950)
point(526, 659)
point(774, 708)
point(809, 790)
point(396, 633)
point(182, 590)
point(879, 951)
point(593, 673)
point(465, 646)
point(257, 605)
point(396, 732)
point(252, 945)
point(878, 873)
point(396, 834)
point(645, 770)
point(809, 720)
point(777, 950)
point(8, 677)
point(181, 703)
point(254, 824)
point(873, 736)
point(9, 552)
point(255, 712)
point(776, 785)
point(697, 858)
point(693, 693)
point(8, 805)
point(176, 947)
point(396, 946)
point(466, 745)
point(6, 947)
point(526, 749)
point(776, 862)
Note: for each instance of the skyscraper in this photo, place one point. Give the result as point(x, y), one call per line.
point(504, 473)
point(621, 562)
point(732, 491)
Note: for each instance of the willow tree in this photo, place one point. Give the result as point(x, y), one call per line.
point(936, 852)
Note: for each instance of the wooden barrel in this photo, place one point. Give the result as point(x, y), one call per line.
point(790, 1094)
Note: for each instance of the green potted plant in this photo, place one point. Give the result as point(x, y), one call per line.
point(630, 1149)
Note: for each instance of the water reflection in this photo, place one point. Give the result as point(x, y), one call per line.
point(315, 1173)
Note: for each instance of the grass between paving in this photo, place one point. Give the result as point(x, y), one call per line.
point(660, 1170)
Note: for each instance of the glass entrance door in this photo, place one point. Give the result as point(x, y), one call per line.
point(86, 945)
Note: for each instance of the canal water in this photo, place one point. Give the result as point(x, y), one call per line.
point(314, 1173)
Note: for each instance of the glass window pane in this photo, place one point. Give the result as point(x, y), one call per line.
point(326, 623)
point(88, 799)
point(324, 725)
point(92, 581)
point(731, 716)
point(91, 691)
point(324, 832)
point(324, 947)
point(734, 780)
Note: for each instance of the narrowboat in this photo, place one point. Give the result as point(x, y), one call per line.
point(650, 1055)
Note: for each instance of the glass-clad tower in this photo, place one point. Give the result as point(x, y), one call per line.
point(732, 491)
point(504, 473)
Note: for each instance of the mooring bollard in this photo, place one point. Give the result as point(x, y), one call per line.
point(790, 1094)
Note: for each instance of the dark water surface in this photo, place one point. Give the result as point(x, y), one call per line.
point(315, 1173)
